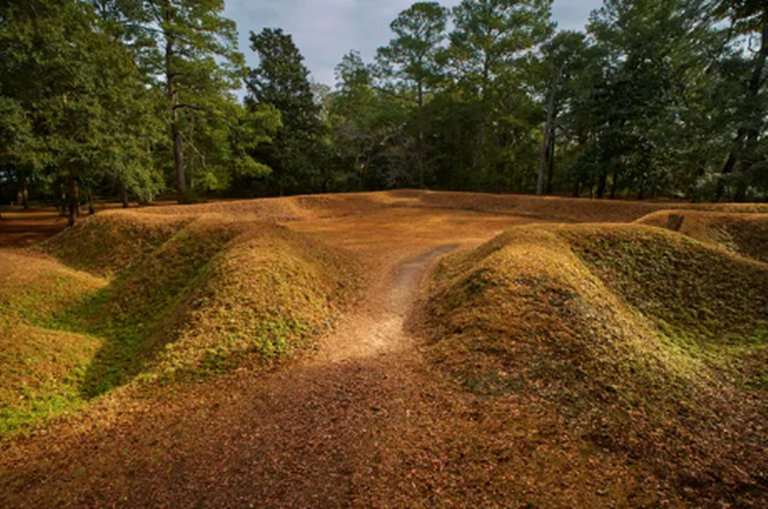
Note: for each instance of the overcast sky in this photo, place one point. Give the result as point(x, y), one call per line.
point(325, 30)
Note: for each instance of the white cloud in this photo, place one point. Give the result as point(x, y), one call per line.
point(324, 30)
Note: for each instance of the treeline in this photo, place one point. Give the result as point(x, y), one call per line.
point(135, 98)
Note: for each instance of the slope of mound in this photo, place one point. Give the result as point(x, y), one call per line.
point(220, 286)
point(40, 370)
point(34, 287)
point(193, 296)
point(648, 344)
point(111, 241)
point(742, 234)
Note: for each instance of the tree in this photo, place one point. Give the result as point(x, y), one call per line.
point(411, 60)
point(72, 90)
point(564, 56)
point(282, 81)
point(656, 59)
point(190, 49)
point(750, 19)
point(490, 52)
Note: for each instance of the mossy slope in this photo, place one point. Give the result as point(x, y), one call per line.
point(650, 344)
point(193, 296)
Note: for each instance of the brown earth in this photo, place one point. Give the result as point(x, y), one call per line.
point(366, 422)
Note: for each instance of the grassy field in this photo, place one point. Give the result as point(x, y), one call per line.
point(569, 351)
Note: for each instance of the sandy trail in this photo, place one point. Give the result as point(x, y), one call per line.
point(377, 327)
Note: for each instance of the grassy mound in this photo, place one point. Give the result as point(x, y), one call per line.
point(742, 234)
point(195, 295)
point(41, 374)
point(40, 370)
point(648, 343)
point(34, 287)
point(110, 242)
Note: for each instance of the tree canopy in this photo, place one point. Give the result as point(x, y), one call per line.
point(137, 99)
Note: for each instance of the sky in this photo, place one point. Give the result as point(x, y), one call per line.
point(325, 30)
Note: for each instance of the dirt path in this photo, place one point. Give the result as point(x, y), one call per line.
point(367, 422)
point(308, 436)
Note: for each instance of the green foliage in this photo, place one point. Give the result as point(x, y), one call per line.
point(281, 82)
point(106, 97)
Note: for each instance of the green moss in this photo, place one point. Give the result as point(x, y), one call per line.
point(695, 294)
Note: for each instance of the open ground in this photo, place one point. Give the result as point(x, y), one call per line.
point(391, 401)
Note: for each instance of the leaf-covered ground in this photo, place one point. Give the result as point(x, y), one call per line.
point(554, 366)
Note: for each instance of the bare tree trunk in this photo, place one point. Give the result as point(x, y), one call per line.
point(548, 133)
point(192, 154)
point(126, 200)
point(602, 185)
point(173, 96)
point(420, 148)
point(551, 173)
point(24, 193)
point(74, 198)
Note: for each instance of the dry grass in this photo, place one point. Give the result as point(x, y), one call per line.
point(34, 287)
point(112, 241)
point(647, 343)
point(553, 208)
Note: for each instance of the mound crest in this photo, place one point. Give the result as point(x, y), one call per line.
point(648, 343)
point(186, 296)
point(742, 234)
point(111, 241)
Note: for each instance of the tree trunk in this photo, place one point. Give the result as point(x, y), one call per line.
point(74, 198)
point(420, 148)
point(24, 193)
point(125, 198)
point(548, 130)
point(614, 184)
point(551, 173)
point(602, 185)
point(63, 202)
point(173, 96)
point(192, 154)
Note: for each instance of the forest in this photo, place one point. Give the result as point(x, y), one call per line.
point(137, 99)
